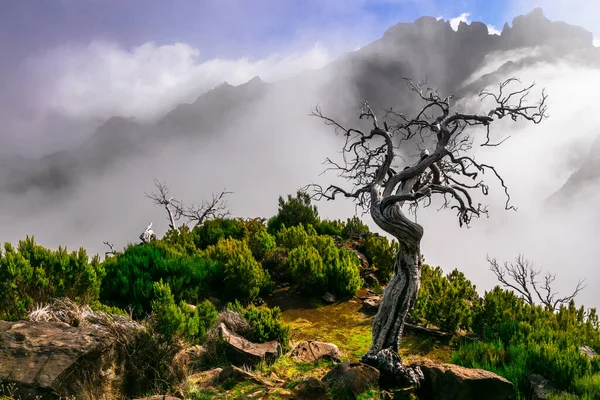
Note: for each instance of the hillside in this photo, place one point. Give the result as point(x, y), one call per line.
point(253, 309)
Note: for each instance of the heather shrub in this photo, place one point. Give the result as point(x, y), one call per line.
point(212, 231)
point(237, 273)
point(294, 212)
point(306, 269)
point(354, 228)
point(381, 254)
point(31, 274)
point(266, 323)
point(130, 276)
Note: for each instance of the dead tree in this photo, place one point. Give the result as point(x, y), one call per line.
point(148, 235)
point(380, 185)
point(112, 250)
point(194, 214)
point(523, 281)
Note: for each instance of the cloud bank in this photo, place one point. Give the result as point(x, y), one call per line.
point(274, 148)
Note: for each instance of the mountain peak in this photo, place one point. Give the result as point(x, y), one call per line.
point(535, 29)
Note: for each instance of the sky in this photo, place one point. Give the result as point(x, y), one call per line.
point(68, 65)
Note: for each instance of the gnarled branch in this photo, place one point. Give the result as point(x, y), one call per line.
point(521, 277)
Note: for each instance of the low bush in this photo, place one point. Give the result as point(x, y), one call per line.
point(237, 273)
point(31, 274)
point(266, 323)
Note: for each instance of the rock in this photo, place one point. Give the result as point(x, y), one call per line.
point(206, 378)
point(273, 376)
point(241, 351)
point(453, 382)
point(364, 263)
point(231, 372)
point(369, 278)
point(159, 397)
point(540, 388)
point(190, 356)
point(371, 304)
point(408, 393)
point(588, 352)
point(311, 351)
point(352, 377)
point(279, 392)
point(328, 298)
point(48, 359)
point(310, 389)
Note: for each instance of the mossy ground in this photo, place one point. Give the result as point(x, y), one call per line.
point(342, 323)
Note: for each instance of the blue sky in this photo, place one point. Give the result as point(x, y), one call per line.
point(233, 28)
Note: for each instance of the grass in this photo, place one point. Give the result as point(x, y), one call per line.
point(342, 323)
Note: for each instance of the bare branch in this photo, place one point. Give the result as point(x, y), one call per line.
point(196, 213)
point(523, 281)
point(367, 158)
point(215, 208)
point(161, 198)
point(112, 249)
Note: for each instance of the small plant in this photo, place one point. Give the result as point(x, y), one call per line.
point(266, 323)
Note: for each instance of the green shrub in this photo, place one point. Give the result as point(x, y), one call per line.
point(354, 228)
point(173, 320)
point(292, 237)
point(306, 269)
point(181, 239)
point(237, 273)
point(294, 212)
point(33, 274)
point(266, 323)
point(329, 227)
point(210, 232)
point(276, 262)
point(130, 276)
point(343, 277)
point(381, 254)
point(260, 242)
point(447, 301)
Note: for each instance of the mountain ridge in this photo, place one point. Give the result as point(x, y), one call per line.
point(426, 46)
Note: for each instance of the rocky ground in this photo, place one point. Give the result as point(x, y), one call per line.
point(79, 355)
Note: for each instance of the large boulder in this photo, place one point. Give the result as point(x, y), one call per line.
point(311, 351)
point(53, 359)
point(241, 351)
point(352, 378)
point(453, 382)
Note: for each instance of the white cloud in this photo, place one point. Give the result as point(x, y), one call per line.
point(534, 162)
point(103, 79)
point(464, 17)
point(596, 42)
point(492, 30)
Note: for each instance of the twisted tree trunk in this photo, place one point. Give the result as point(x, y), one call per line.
point(400, 294)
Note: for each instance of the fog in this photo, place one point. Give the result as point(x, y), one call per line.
point(273, 148)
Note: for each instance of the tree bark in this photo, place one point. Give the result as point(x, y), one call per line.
point(399, 295)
